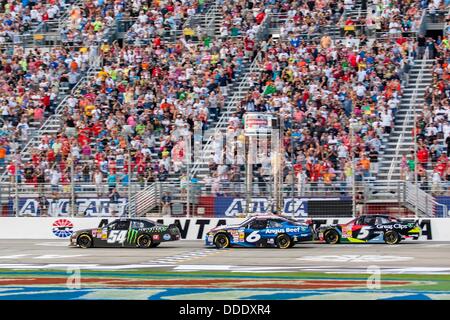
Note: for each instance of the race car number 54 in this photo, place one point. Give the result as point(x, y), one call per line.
point(117, 236)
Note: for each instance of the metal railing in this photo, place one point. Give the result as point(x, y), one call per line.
point(420, 200)
point(224, 198)
point(406, 120)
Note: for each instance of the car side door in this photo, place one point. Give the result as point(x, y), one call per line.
point(253, 231)
point(361, 230)
point(117, 233)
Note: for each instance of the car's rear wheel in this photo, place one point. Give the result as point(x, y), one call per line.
point(144, 241)
point(283, 241)
point(84, 241)
point(221, 241)
point(331, 236)
point(391, 237)
point(154, 245)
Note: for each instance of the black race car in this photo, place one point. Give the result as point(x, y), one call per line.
point(127, 232)
point(369, 229)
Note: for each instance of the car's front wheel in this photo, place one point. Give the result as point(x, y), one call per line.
point(144, 241)
point(221, 241)
point(331, 236)
point(84, 241)
point(391, 237)
point(283, 241)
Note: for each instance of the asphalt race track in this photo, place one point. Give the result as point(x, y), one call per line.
point(50, 270)
point(411, 257)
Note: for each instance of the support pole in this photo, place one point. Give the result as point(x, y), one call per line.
point(72, 189)
point(188, 174)
point(129, 180)
point(352, 151)
point(249, 175)
point(16, 182)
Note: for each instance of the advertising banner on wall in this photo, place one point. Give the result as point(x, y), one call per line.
point(89, 207)
point(296, 207)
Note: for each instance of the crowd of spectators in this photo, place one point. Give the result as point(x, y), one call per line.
point(92, 21)
point(321, 89)
point(433, 124)
point(142, 104)
point(21, 16)
point(32, 83)
point(165, 19)
point(309, 17)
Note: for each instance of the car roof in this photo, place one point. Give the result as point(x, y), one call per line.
point(135, 219)
point(375, 216)
point(267, 216)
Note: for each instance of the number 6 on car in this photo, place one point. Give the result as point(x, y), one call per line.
point(253, 237)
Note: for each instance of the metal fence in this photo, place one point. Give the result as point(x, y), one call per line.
point(218, 199)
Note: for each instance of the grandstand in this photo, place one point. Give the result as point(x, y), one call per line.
point(139, 96)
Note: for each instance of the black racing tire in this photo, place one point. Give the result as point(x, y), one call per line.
point(331, 236)
point(155, 244)
point(292, 244)
point(391, 237)
point(221, 241)
point(283, 241)
point(144, 241)
point(84, 241)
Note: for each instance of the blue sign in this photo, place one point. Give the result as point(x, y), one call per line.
point(233, 207)
point(439, 209)
point(89, 207)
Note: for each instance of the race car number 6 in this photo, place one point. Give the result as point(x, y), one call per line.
point(253, 237)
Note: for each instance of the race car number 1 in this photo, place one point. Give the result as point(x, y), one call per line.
point(253, 237)
point(117, 236)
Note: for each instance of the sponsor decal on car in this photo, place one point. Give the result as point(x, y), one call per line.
point(158, 229)
point(156, 237)
point(62, 228)
point(392, 226)
point(132, 235)
point(166, 237)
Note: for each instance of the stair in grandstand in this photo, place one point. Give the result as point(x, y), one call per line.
point(147, 201)
point(210, 21)
point(52, 124)
point(401, 198)
point(240, 89)
point(205, 21)
point(400, 140)
point(436, 23)
point(356, 12)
